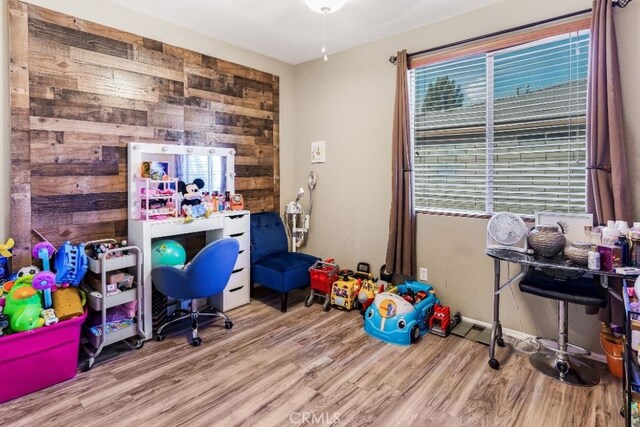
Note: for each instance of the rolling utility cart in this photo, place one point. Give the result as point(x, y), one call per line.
point(102, 299)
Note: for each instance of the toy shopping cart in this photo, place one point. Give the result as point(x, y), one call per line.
point(322, 275)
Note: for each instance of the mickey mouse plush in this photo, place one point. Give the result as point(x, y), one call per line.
point(191, 205)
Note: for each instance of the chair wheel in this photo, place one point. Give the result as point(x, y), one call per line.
point(228, 324)
point(196, 342)
point(326, 306)
point(563, 367)
point(308, 301)
point(500, 342)
point(494, 364)
point(160, 337)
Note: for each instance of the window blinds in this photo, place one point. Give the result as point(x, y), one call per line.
point(207, 168)
point(503, 131)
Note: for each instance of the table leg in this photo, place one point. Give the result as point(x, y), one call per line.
point(496, 327)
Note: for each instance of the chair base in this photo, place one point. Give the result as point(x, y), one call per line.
point(572, 371)
point(194, 314)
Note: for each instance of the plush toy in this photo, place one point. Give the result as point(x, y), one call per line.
point(192, 205)
point(23, 306)
point(30, 270)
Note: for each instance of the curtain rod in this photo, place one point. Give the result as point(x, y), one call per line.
point(393, 59)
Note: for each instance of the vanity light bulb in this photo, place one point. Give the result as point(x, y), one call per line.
point(326, 58)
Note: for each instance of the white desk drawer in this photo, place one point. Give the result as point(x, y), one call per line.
point(236, 292)
point(244, 241)
point(236, 224)
point(242, 261)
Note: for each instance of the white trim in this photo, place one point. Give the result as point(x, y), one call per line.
point(599, 357)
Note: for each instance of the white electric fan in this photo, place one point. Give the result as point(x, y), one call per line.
point(295, 219)
point(507, 231)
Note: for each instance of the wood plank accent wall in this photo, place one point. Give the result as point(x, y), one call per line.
point(80, 92)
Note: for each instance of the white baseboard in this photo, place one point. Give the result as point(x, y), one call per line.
point(519, 335)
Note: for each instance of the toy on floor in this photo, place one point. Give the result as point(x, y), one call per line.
point(393, 319)
point(322, 274)
point(368, 292)
point(441, 322)
point(344, 291)
point(23, 306)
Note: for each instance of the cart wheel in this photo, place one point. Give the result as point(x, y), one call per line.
point(87, 366)
point(160, 337)
point(308, 301)
point(139, 344)
point(228, 324)
point(326, 306)
point(500, 342)
point(494, 364)
point(196, 342)
point(415, 333)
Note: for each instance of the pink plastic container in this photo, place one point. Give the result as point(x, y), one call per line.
point(33, 360)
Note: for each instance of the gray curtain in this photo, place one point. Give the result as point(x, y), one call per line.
point(607, 183)
point(401, 246)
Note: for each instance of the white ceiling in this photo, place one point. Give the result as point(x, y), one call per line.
point(289, 31)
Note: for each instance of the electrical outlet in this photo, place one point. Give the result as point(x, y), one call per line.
point(423, 274)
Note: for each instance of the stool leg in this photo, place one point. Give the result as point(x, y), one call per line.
point(496, 327)
point(563, 339)
point(558, 364)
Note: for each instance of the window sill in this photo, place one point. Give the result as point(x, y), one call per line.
point(478, 215)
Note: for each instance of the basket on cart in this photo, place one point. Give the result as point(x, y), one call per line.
point(322, 274)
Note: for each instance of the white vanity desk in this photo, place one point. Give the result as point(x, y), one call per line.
point(219, 225)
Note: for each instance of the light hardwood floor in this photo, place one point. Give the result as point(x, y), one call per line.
point(271, 368)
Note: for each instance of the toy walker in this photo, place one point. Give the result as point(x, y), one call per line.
point(322, 275)
point(401, 318)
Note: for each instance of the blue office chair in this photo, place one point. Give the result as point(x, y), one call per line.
point(205, 276)
point(272, 265)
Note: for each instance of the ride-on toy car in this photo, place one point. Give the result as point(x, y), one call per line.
point(394, 319)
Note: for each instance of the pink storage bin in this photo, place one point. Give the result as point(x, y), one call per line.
point(37, 359)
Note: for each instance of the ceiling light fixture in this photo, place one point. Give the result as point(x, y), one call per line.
point(325, 7)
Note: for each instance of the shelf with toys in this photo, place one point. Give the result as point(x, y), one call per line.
point(114, 295)
point(157, 198)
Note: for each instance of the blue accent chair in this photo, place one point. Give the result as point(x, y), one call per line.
point(272, 265)
point(205, 276)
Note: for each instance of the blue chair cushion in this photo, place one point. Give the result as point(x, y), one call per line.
point(283, 272)
point(268, 236)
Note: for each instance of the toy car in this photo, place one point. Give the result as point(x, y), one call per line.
point(441, 322)
point(344, 292)
point(393, 319)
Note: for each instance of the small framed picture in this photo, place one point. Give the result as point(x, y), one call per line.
point(318, 152)
point(154, 170)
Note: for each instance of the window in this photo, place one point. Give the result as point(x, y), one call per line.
point(504, 130)
point(207, 168)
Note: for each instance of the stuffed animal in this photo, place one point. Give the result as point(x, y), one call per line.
point(192, 205)
point(23, 306)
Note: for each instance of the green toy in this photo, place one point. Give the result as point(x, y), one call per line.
point(23, 306)
point(167, 252)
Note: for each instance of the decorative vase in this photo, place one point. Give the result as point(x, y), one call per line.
point(578, 252)
point(546, 240)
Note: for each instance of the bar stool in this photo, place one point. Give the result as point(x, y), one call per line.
point(557, 359)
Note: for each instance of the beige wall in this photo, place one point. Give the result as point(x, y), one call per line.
point(348, 102)
point(126, 20)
